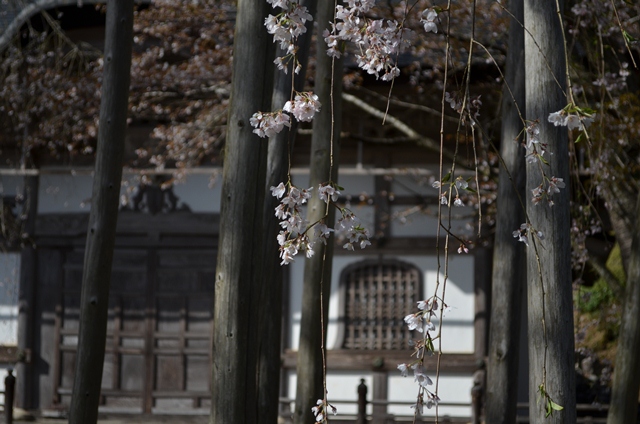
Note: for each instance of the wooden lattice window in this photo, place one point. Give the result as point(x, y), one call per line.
point(377, 295)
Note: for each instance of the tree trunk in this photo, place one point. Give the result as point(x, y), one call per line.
point(104, 213)
point(550, 314)
point(234, 397)
point(509, 272)
point(26, 298)
point(280, 145)
point(317, 270)
point(620, 202)
point(626, 379)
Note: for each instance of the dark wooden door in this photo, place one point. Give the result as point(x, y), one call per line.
point(159, 330)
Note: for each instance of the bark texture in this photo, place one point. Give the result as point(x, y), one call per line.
point(270, 336)
point(550, 314)
point(626, 378)
point(26, 294)
point(234, 397)
point(104, 213)
point(509, 266)
point(318, 268)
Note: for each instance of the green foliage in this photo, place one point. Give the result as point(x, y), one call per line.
point(597, 315)
point(592, 299)
point(614, 263)
point(549, 404)
point(601, 295)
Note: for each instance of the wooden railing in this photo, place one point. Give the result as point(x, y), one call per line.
point(587, 413)
point(379, 415)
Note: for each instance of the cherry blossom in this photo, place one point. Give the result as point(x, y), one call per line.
point(322, 232)
point(288, 25)
point(378, 41)
point(414, 322)
point(350, 226)
point(428, 20)
point(420, 375)
point(268, 124)
point(303, 107)
point(571, 120)
point(320, 410)
point(404, 369)
point(327, 192)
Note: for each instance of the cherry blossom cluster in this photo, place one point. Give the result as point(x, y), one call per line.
point(459, 184)
point(546, 189)
point(294, 237)
point(572, 117)
point(350, 226)
point(614, 81)
point(320, 410)
point(268, 124)
point(469, 109)
point(535, 152)
point(286, 27)
point(525, 231)
point(535, 147)
point(421, 321)
point(377, 41)
point(303, 107)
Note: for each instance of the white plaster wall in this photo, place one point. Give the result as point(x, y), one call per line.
point(60, 193)
point(200, 192)
point(64, 193)
point(9, 286)
point(341, 386)
point(457, 328)
point(354, 185)
point(295, 299)
point(409, 221)
point(458, 293)
point(10, 185)
point(452, 388)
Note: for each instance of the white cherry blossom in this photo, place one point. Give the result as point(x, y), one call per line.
point(303, 107)
point(428, 20)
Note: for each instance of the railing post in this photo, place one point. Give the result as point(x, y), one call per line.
point(9, 387)
point(476, 405)
point(362, 403)
point(477, 394)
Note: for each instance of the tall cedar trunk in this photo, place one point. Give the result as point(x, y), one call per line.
point(238, 276)
point(620, 201)
point(626, 379)
point(104, 213)
point(318, 268)
point(26, 298)
point(280, 145)
point(550, 314)
point(508, 255)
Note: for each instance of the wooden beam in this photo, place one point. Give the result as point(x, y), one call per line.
point(383, 360)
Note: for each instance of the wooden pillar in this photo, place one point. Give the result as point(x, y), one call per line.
point(380, 393)
point(482, 272)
